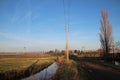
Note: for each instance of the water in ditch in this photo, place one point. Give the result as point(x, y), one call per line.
point(45, 74)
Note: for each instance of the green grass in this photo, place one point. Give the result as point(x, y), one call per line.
point(7, 64)
point(18, 66)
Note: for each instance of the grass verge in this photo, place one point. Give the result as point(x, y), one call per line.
point(66, 71)
point(71, 71)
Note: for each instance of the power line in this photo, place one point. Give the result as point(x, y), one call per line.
point(69, 6)
point(64, 11)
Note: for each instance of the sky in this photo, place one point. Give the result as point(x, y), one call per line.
point(39, 25)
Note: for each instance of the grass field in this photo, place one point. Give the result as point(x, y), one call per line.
point(19, 66)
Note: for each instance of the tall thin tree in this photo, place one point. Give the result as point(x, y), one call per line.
point(106, 38)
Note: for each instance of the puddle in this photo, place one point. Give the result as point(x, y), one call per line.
point(45, 74)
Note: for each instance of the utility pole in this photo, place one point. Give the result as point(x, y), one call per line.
point(66, 18)
point(67, 51)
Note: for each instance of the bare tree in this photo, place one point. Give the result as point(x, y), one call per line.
point(105, 34)
point(117, 47)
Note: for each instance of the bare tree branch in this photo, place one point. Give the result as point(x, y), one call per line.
point(106, 38)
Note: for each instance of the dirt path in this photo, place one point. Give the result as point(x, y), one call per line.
point(98, 72)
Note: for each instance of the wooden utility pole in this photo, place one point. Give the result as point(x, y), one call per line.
point(67, 51)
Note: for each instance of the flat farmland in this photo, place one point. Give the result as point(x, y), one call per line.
point(21, 65)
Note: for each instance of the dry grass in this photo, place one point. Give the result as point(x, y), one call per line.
point(67, 71)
